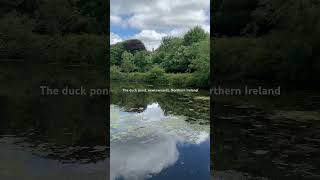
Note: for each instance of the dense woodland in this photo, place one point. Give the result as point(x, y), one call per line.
point(55, 31)
point(268, 40)
point(181, 61)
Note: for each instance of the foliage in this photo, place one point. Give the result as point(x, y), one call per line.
point(277, 43)
point(97, 11)
point(127, 64)
point(170, 44)
point(194, 35)
point(156, 74)
point(85, 48)
point(57, 31)
point(116, 54)
point(201, 62)
point(229, 17)
point(116, 73)
point(142, 60)
point(181, 61)
point(16, 37)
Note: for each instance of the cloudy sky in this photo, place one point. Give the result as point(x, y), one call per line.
point(151, 20)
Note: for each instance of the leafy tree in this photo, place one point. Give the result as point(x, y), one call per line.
point(115, 72)
point(158, 57)
point(127, 64)
point(142, 61)
point(116, 54)
point(229, 17)
point(56, 17)
point(156, 74)
point(170, 44)
point(16, 38)
point(194, 35)
point(178, 53)
point(201, 62)
point(96, 9)
point(178, 61)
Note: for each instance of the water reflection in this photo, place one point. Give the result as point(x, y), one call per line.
point(259, 137)
point(20, 160)
point(52, 136)
point(143, 144)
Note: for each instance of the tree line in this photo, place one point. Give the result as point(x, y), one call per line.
point(62, 31)
point(269, 40)
point(178, 60)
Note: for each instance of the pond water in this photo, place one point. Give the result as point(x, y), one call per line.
point(21, 161)
point(162, 135)
point(266, 137)
point(159, 136)
point(52, 137)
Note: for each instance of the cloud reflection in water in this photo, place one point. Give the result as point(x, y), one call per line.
point(144, 144)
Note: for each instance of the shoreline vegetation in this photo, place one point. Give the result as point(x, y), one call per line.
point(179, 61)
point(54, 32)
point(269, 42)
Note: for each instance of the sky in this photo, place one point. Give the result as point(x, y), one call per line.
point(151, 20)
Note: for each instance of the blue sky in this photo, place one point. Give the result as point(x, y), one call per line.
point(151, 20)
point(124, 32)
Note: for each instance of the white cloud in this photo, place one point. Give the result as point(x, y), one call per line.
point(132, 160)
point(157, 148)
point(114, 38)
point(162, 14)
point(150, 38)
point(206, 28)
point(116, 20)
point(156, 19)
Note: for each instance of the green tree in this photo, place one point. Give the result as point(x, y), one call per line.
point(96, 9)
point(56, 16)
point(127, 64)
point(201, 62)
point(229, 17)
point(142, 61)
point(194, 35)
point(116, 51)
point(156, 74)
point(178, 61)
point(157, 57)
point(170, 44)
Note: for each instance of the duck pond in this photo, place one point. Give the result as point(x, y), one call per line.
point(159, 135)
point(152, 135)
point(52, 137)
point(267, 137)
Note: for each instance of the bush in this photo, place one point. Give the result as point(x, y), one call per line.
point(137, 77)
point(115, 73)
point(18, 41)
point(156, 75)
point(178, 79)
point(16, 38)
point(84, 48)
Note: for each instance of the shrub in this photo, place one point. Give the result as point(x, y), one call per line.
point(115, 73)
point(84, 48)
point(178, 79)
point(137, 77)
point(156, 75)
point(16, 38)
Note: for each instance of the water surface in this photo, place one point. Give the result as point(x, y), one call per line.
point(52, 137)
point(154, 136)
